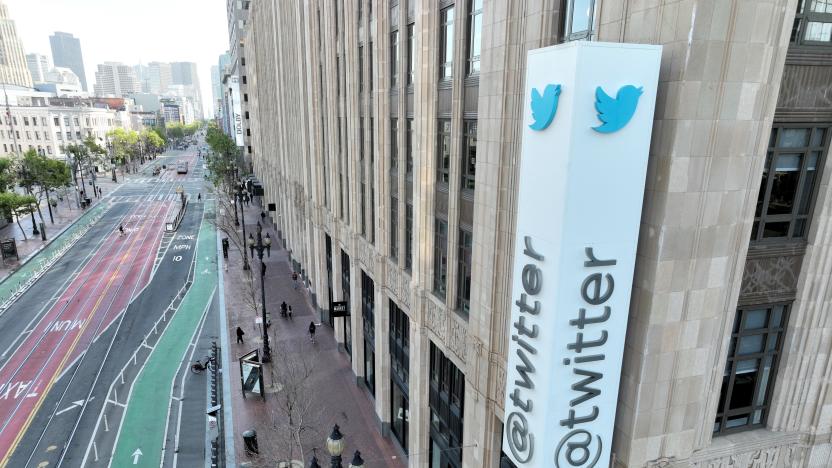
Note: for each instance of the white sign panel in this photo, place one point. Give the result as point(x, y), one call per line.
point(236, 111)
point(589, 114)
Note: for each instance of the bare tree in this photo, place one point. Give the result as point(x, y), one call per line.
point(295, 415)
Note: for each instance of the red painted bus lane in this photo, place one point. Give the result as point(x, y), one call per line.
point(96, 296)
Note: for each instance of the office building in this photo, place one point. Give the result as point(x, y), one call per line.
point(66, 52)
point(13, 65)
point(38, 67)
point(391, 150)
point(185, 74)
point(236, 79)
point(115, 79)
point(159, 77)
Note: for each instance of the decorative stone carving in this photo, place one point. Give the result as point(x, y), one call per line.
point(778, 456)
point(661, 462)
point(436, 319)
point(770, 277)
point(457, 337)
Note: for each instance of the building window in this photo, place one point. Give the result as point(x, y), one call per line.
point(400, 373)
point(790, 176)
point(43, 121)
point(411, 49)
point(345, 296)
point(394, 145)
point(76, 122)
point(394, 59)
point(360, 68)
point(245, 97)
point(446, 401)
point(370, 66)
point(755, 348)
point(440, 257)
point(463, 284)
point(368, 306)
point(812, 23)
point(57, 122)
point(394, 228)
point(474, 36)
point(446, 43)
point(245, 81)
point(66, 122)
point(5, 148)
point(247, 116)
point(409, 148)
point(469, 155)
point(578, 19)
point(49, 149)
point(443, 151)
point(35, 121)
point(26, 121)
point(78, 135)
point(408, 237)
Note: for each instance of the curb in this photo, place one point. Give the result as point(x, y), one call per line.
point(228, 417)
point(43, 246)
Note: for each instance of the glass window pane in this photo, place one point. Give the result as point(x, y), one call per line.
point(581, 15)
point(764, 376)
point(784, 184)
point(751, 344)
point(772, 230)
point(755, 319)
point(736, 421)
point(799, 229)
point(776, 316)
point(818, 137)
point(794, 137)
point(821, 6)
point(757, 417)
point(808, 183)
point(819, 32)
point(745, 381)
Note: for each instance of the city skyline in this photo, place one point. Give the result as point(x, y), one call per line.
point(132, 47)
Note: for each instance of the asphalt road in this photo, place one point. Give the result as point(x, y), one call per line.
point(72, 346)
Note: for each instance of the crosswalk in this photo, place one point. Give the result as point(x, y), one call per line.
point(144, 198)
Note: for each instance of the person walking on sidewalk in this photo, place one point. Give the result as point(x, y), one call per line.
point(283, 309)
point(295, 280)
point(290, 311)
point(240, 334)
point(121, 230)
point(312, 332)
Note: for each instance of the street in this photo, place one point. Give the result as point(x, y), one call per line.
point(108, 333)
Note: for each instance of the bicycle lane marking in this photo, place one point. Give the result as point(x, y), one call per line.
point(144, 424)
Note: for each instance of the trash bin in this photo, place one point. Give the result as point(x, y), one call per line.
point(250, 440)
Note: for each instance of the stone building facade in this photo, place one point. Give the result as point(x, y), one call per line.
point(387, 136)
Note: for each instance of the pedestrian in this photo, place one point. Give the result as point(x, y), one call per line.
point(283, 309)
point(199, 196)
point(225, 248)
point(290, 311)
point(240, 334)
point(120, 230)
point(295, 280)
point(263, 216)
point(312, 332)
point(100, 192)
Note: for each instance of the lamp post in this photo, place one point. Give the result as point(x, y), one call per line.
point(335, 446)
point(238, 195)
point(260, 245)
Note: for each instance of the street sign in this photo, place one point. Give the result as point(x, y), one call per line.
point(339, 309)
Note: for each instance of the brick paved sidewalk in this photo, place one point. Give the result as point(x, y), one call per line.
point(336, 394)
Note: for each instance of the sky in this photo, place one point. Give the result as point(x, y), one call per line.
point(129, 31)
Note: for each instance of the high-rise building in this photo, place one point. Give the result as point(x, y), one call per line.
point(216, 88)
point(13, 65)
point(115, 79)
point(392, 156)
point(185, 73)
point(238, 24)
point(38, 67)
point(159, 77)
point(66, 52)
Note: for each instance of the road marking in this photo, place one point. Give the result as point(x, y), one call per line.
point(136, 455)
point(73, 405)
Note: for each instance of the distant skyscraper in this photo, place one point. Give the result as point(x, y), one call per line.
point(13, 68)
point(184, 73)
point(216, 88)
point(66, 52)
point(38, 67)
point(115, 79)
point(159, 77)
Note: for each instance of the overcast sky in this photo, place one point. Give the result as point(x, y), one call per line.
point(129, 31)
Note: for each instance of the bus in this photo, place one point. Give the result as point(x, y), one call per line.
point(182, 167)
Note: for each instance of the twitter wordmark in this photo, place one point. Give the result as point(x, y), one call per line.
point(616, 113)
point(544, 107)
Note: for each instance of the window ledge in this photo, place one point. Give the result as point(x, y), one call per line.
point(467, 194)
point(445, 83)
point(759, 249)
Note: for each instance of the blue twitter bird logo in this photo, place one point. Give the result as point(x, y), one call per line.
point(544, 107)
point(616, 113)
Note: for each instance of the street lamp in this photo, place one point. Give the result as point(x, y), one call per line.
point(335, 446)
point(260, 246)
point(238, 195)
point(357, 461)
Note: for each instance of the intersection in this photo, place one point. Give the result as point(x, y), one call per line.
point(79, 369)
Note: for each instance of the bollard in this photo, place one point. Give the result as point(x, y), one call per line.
point(250, 441)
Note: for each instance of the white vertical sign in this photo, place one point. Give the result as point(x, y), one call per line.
point(236, 111)
point(589, 114)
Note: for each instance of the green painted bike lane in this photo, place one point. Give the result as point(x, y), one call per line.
point(143, 426)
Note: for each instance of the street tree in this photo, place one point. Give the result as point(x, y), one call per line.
point(15, 205)
point(7, 174)
point(126, 147)
point(29, 173)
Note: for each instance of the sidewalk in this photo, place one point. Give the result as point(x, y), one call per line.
point(336, 394)
point(66, 213)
